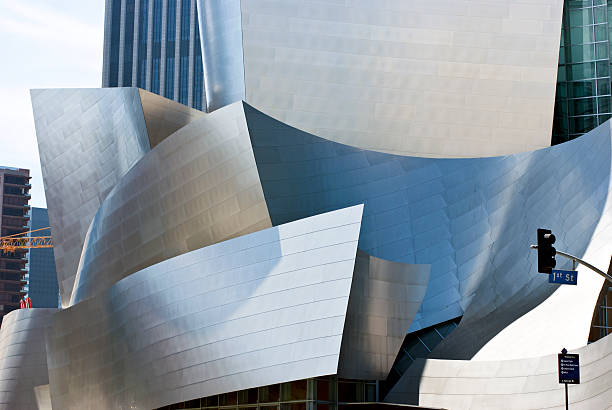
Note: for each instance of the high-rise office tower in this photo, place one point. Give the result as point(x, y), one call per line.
point(42, 283)
point(154, 45)
point(14, 218)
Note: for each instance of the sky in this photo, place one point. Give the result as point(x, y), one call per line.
point(43, 44)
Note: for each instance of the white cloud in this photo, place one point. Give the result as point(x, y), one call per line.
point(43, 44)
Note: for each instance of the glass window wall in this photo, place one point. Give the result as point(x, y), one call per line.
point(583, 80)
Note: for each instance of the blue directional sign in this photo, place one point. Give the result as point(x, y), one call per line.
point(569, 368)
point(564, 277)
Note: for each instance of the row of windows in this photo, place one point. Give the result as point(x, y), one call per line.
point(574, 4)
point(16, 277)
point(14, 211)
point(320, 393)
point(584, 52)
point(587, 16)
point(12, 190)
point(114, 52)
point(142, 48)
point(576, 126)
point(582, 89)
point(14, 179)
point(184, 13)
point(129, 41)
point(11, 200)
point(156, 49)
point(170, 48)
point(585, 35)
point(583, 71)
point(583, 106)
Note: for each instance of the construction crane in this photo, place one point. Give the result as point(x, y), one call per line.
point(18, 241)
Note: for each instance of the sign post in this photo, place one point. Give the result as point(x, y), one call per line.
point(569, 371)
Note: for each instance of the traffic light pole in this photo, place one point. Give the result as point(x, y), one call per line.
point(575, 260)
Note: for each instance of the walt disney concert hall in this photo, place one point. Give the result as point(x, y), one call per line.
point(347, 224)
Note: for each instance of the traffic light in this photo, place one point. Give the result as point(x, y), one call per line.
point(546, 252)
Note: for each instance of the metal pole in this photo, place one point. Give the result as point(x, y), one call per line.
point(566, 401)
point(576, 259)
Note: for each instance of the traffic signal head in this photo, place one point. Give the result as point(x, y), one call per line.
point(546, 252)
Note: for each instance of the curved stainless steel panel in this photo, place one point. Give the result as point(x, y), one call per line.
point(87, 140)
point(260, 309)
point(198, 187)
point(385, 297)
point(23, 357)
point(163, 116)
point(531, 383)
point(471, 219)
point(221, 41)
point(458, 78)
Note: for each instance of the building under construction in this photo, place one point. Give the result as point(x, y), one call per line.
point(14, 219)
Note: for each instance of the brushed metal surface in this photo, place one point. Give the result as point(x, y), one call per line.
point(163, 116)
point(221, 41)
point(385, 297)
point(530, 383)
point(198, 187)
point(259, 309)
point(23, 357)
point(43, 397)
point(148, 328)
point(458, 78)
point(88, 139)
point(471, 219)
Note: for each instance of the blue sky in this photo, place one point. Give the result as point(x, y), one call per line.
point(43, 44)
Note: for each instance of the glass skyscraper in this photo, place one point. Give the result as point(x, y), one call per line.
point(154, 45)
point(583, 82)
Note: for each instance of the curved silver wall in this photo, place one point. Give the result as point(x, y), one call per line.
point(385, 297)
point(221, 41)
point(197, 187)
point(453, 78)
point(238, 171)
point(23, 357)
point(255, 310)
point(163, 116)
point(471, 219)
point(513, 384)
point(87, 140)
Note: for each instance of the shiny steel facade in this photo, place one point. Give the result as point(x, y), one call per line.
point(174, 313)
point(455, 214)
point(221, 28)
point(255, 310)
point(407, 77)
point(23, 357)
point(112, 136)
point(86, 144)
point(385, 297)
point(530, 383)
point(198, 187)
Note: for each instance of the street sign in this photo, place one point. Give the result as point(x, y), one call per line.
point(569, 369)
point(564, 277)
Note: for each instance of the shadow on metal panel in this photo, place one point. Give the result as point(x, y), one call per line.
point(471, 219)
